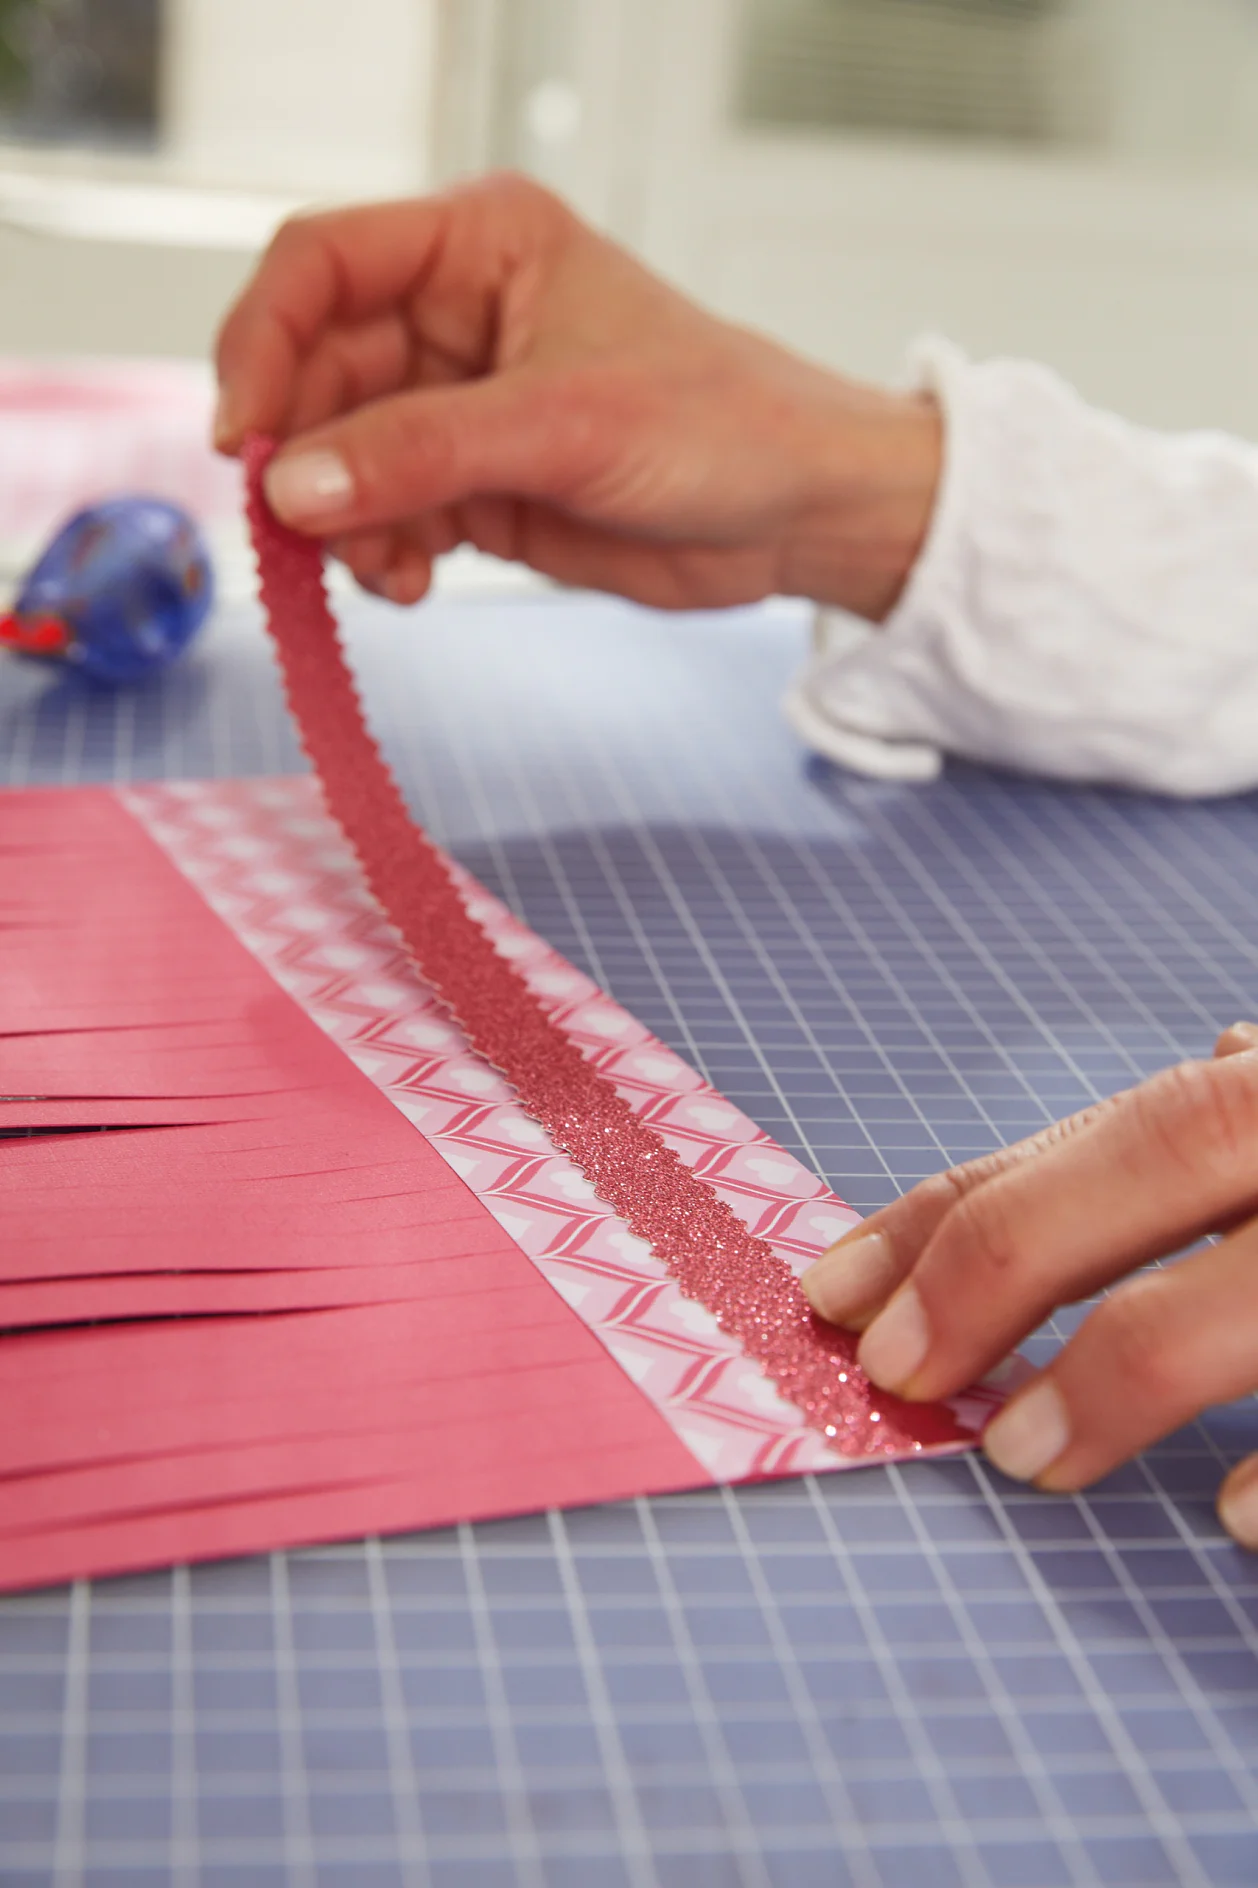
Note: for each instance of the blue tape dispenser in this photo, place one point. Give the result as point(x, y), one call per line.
point(120, 592)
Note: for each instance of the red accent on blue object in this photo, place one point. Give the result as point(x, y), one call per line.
point(35, 635)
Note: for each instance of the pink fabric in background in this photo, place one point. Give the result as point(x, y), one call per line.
point(76, 432)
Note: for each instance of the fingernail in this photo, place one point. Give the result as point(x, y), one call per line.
point(226, 430)
point(1237, 1038)
point(306, 487)
point(1238, 1504)
point(1028, 1436)
point(895, 1345)
point(399, 588)
point(850, 1277)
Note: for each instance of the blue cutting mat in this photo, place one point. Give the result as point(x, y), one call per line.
point(913, 1678)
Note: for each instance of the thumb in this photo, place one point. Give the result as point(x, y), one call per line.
point(1238, 1503)
point(1239, 1039)
point(511, 434)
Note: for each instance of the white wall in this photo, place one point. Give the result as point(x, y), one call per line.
point(329, 97)
point(313, 99)
point(61, 296)
point(1142, 291)
point(1183, 80)
point(1132, 268)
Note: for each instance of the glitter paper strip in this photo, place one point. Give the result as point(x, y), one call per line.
point(750, 1291)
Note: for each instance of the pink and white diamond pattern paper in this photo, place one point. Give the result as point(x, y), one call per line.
point(267, 858)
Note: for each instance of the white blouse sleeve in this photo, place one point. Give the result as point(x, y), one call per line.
point(1085, 604)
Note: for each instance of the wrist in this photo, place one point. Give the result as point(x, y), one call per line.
point(870, 497)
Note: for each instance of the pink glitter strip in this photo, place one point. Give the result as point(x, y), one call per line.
point(751, 1292)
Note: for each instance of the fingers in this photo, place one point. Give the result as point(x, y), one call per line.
point(347, 367)
point(1162, 1165)
point(947, 1280)
point(1168, 1162)
point(1238, 1503)
point(408, 578)
point(851, 1282)
point(343, 267)
point(442, 260)
point(1239, 1039)
point(367, 556)
point(1154, 1354)
point(854, 1279)
point(396, 565)
point(413, 454)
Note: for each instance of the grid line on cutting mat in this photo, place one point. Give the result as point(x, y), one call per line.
point(915, 1678)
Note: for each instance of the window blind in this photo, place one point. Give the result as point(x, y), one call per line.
point(987, 69)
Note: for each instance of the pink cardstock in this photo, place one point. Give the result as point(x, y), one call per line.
point(337, 1281)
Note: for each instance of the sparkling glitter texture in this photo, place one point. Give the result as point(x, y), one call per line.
point(751, 1292)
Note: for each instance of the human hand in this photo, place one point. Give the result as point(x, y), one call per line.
point(482, 367)
point(947, 1280)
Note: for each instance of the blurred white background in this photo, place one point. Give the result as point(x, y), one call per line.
point(1071, 179)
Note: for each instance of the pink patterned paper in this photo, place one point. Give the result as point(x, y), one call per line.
point(270, 862)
